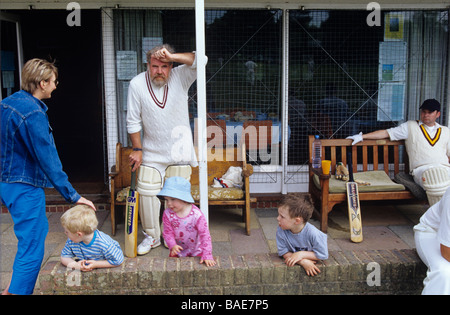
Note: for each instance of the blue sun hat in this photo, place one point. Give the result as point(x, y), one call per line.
point(177, 187)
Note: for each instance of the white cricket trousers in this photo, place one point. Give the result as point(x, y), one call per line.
point(437, 281)
point(148, 186)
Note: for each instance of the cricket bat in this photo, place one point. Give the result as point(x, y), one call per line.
point(131, 219)
point(354, 209)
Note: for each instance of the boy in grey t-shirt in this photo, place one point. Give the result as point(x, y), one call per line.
point(298, 241)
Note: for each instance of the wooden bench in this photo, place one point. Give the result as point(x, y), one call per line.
point(120, 177)
point(218, 163)
point(365, 153)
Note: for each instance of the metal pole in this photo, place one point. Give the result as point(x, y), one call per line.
point(201, 104)
point(284, 101)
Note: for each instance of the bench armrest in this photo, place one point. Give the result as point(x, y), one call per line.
point(113, 172)
point(247, 170)
point(318, 172)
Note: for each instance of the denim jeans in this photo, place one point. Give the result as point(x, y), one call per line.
point(26, 204)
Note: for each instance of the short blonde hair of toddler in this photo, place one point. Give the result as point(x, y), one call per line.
point(80, 218)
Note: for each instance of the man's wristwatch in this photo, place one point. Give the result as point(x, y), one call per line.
point(137, 149)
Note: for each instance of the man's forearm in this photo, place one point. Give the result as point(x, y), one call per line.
point(376, 135)
point(135, 158)
point(136, 139)
point(184, 58)
point(445, 252)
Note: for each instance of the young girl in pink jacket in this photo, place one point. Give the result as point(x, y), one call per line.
point(185, 228)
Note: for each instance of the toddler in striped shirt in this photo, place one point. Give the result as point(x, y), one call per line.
point(87, 248)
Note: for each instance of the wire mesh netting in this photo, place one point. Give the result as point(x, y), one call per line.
point(343, 77)
point(347, 77)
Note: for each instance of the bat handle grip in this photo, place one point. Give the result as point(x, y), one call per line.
point(350, 164)
point(133, 179)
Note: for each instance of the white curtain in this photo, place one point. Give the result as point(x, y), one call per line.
point(426, 33)
point(130, 28)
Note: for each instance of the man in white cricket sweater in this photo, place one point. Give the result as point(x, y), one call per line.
point(157, 106)
point(427, 144)
point(432, 238)
point(428, 147)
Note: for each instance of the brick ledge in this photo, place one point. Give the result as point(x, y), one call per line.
point(401, 272)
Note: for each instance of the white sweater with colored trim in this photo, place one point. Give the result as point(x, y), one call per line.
point(167, 135)
point(424, 146)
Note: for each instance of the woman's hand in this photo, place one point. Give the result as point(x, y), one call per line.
point(84, 201)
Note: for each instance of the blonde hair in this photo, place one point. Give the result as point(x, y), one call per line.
point(80, 218)
point(36, 70)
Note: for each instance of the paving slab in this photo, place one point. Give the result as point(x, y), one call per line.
point(374, 237)
point(254, 243)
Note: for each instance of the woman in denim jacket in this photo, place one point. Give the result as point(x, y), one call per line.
point(30, 163)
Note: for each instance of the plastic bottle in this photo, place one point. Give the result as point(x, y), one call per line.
point(317, 153)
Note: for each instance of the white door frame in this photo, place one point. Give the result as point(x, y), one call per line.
point(14, 19)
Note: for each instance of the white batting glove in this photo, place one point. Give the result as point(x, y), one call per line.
point(356, 138)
